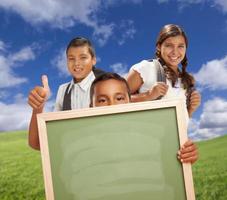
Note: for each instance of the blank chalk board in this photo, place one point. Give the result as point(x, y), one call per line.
point(116, 153)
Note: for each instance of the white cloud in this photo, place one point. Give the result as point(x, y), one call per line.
point(60, 63)
point(4, 94)
point(2, 46)
point(60, 14)
point(8, 61)
point(16, 116)
point(213, 74)
point(64, 14)
point(119, 68)
point(212, 122)
point(127, 31)
point(221, 4)
point(102, 33)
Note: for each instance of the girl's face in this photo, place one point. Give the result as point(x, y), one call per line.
point(173, 51)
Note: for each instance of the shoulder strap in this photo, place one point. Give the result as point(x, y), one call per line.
point(161, 77)
point(67, 97)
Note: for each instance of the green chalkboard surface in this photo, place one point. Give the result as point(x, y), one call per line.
point(115, 156)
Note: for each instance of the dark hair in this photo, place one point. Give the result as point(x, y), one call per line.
point(171, 30)
point(105, 77)
point(81, 41)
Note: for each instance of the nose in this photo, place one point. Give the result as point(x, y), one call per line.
point(76, 62)
point(174, 50)
point(112, 102)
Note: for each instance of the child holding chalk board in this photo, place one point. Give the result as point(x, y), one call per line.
point(112, 89)
point(81, 60)
point(162, 77)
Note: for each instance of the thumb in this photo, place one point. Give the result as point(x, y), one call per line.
point(45, 84)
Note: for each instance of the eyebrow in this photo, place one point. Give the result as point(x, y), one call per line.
point(102, 95)
point(120, 93)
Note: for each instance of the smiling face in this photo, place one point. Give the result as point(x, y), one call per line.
point(80, 62)
point(173, 51)
point(110, 92)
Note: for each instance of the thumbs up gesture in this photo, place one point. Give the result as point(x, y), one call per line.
point(39, 95)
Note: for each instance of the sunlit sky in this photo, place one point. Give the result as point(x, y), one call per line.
point(34, 35)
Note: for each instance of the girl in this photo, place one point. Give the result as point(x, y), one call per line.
point(163, 78)
point(144, 78)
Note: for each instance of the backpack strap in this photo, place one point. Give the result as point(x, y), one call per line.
point(67, 96)
point(161, 77)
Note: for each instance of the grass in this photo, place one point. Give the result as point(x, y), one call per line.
point(210, 171)
point(20, 169)
point(21, 172)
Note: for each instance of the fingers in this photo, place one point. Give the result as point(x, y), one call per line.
point(161, 89)
point(37, 97)
point(45, 82)
point(195, 99)
point(188, 152)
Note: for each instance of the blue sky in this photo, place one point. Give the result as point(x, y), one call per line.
point(34, 34)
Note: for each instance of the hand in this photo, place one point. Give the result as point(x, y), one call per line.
point(188, 152)
point(38, 96)
point(194, 102)
point(160, 89)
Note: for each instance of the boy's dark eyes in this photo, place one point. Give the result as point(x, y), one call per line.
point(120, 98)
point(101, 100)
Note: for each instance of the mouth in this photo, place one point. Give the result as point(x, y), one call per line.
point(174, 58)
point(77, 69)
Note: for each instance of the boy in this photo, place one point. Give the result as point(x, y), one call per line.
point(111, 89)
point(74, 95)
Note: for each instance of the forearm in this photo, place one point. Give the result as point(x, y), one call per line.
point(33, 137)
point(146, 96)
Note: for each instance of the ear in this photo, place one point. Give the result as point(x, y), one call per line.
point(158, 47)
point(94, 61)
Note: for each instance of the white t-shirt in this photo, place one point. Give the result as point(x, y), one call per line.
point(148, 71)
point(80, 95)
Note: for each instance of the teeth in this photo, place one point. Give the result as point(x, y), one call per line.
point(77, 69)
point(174, 58)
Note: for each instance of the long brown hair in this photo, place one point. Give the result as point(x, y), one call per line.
point(172, 30)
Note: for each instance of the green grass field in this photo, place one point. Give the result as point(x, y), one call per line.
point(21, 172)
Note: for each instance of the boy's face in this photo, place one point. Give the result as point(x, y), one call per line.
point(110, 92)
point(80, 62)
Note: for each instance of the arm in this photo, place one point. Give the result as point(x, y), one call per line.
point(188, 153)
point(195, 101)
point(33, 137)
point(36, 99)
point(135, 82)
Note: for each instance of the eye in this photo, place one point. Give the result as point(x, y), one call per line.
point(120, 98)
point(83, 57)
point(71, 59)
point(101, 100)
point(181, 46)
point(167, 45)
